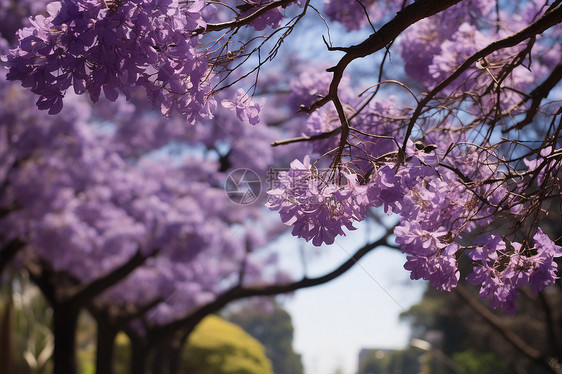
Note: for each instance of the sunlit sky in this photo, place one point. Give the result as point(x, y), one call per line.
point(360, 309)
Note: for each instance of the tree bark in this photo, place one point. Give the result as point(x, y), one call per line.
point(6, 339)
point(139, 355)
point(105, 348)
point(65, 319)
point(162, 358)
point(175, 358)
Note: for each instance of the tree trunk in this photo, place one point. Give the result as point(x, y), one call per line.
point(139, 355)
point(65, 318)
point(105, 348)
point(161, 364)
point(6, 339)
point(175, 359)
point(168, 356)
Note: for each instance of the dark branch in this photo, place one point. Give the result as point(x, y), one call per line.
point(119, 317)
point(85, 292)
point(386, 34)
point(323, 135)
point(537, 95)
point(248, 19)
point(378, 40)
point(238, 292)
point(9, 251)
point(548, 20)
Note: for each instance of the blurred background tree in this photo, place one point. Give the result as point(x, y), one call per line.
point(215, 347)
point(491, 343)
point(273, 327)
point(392, 362)
point(458, 334)
point(220, 347)
point(480, 341)
point(27, 342)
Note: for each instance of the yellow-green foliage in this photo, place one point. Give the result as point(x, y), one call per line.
point(220, 347)
point(121, 354)
point(215, 347)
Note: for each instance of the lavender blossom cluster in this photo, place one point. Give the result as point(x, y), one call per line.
point(437, 211)
point(447, 189)
point(94, 46)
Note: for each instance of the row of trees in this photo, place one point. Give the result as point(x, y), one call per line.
point(216, 346)
point(134, 227)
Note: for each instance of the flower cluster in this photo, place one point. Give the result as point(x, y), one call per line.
point(436, 209)
point(317, 208)
point(503, 267)
point(319, 204)
point(246, 109)
point(95, 46)
point(88, 198)
point(547, 170)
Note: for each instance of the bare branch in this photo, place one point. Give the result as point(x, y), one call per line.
point(537, 95)
point(409, 15)
point(323, 135)
point(548, 20)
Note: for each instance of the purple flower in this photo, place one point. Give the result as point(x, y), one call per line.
point(318, 209)
point(503, 267)
point(439, 268)
point(245, 108)
point(544, 167)
point(139, 43)
point(413, 239)
point(544, 273)
point(387, 187)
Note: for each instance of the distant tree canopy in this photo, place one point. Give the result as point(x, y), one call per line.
point(392, 362)
point(274, 329)
point(220, 347)
point(491, 343)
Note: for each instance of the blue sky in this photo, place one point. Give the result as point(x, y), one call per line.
point(360, 309)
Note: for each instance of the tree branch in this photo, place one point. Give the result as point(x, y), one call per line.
point(9, 251)
point(548, 20)
point(378, 40)
point(248, 19)
point(537, 95)
point(323, 135)
point(84, 292)
point(239, 292)
point(121, 317)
